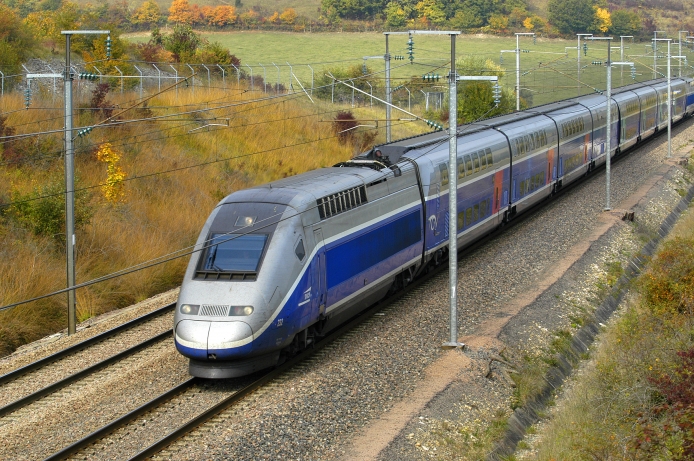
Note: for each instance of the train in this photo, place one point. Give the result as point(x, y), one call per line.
point(278, 265)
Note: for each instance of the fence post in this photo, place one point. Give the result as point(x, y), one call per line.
point(159, 71)
point(224, 82)
point(209, 82)
point(238, 76)
point(309, 66)
point(192, 77)
point(251, 76)
point(138, 69)
point(264, 77)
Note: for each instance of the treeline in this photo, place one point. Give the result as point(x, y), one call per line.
point(564, 17)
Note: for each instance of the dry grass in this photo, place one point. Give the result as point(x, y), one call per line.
point(177, 171)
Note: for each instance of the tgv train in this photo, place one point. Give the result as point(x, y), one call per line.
point(280, 264)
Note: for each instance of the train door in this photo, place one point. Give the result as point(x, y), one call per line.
point(319, 294)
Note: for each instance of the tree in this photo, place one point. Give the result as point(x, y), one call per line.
point(181, 12)
point(182, 43)
point(147, 14)
point(571, 16)
point(223, 15)
point(498, 23)
point(16, 40)
point(625, 22)
point(601, 20)
point(397, 15)
point(431, 11)
point(476, 98)
point(288, 16)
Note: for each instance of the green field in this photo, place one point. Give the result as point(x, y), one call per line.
point(548, 69)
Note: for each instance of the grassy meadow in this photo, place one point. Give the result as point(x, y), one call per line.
point(548, 68)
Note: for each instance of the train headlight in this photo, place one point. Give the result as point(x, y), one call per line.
point(190, 309)
point(240, 310)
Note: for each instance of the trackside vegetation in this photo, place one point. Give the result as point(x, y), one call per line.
point(144, 186)
point(634, 399)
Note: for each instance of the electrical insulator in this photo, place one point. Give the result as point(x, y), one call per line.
point(431, 77)
point(363, 69)
point(27, 97)
point(496, 91)
point(87, 76)
point(597, 63)
point(410, 49)
point(85, 131)
point(534, 39)
point(108, 47)
point(633, 73)
point(525, 51)
point(434, 125)
point(585, 49)
point(501, 59)
point(399, 58)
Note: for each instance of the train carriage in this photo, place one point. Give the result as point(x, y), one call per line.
point(278, 265)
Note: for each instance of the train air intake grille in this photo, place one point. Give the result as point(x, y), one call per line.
point(214, 310)
point(340, 202)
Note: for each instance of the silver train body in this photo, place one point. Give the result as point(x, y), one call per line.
point(280, 264)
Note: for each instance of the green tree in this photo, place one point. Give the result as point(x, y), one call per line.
point(183, 42)
point(16, 40)
point(571, 16)
point(430, 10)
point(476, 98)
point(397, 14)
point(625, 22)
point(147, 14)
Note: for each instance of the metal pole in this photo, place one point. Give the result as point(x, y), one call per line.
point(224, 82)
point(70, 185)
point(3, 84)
point(578, 60)
point(669, 104)
point(679, 41)
point(517, 73)
point(386, 58)
point(251, 75)
point(209, 82)
point(264, 78)
point(371, 93)
point(138, 69)
point(409, 98)
point(309, 66)
point(176, 78)
point(609, 121)
point(277, 85)
point(69, 195)
point(238, 76)
point(159, 72)
point(453, 200)
point(291, 73)
point(192, 77)
point(55, 87)
point(655, 52)
point(121, 78)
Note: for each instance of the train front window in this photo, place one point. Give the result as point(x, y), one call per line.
point(234, 252)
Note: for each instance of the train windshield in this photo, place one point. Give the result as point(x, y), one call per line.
point(234, 252)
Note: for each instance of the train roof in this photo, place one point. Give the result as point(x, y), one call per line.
point(302, 191)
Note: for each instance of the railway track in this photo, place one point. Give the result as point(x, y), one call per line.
point(195, 401)
point(27, 385)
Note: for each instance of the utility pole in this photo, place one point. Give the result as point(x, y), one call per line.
point(518, 34)
point(679, 42)
point(386, 58)
point(655, 52)
point(669, 97)
point(578, 59)
point(621, 56)
point(70, 179)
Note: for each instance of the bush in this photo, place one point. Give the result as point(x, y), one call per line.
point(668, 286)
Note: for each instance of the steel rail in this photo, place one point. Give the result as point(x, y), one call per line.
point(122, 421)
point(31, 398)
point(82, 345)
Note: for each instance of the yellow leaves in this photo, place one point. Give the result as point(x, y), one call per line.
point(528, 23)
point(603, 19)
point(113, 188)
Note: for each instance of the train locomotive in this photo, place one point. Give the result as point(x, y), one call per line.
point(280, 264)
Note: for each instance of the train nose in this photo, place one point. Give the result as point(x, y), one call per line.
point(217, 340)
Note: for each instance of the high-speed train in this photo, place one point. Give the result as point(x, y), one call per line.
point(280, 264)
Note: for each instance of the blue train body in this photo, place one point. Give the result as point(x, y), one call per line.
point(279, 265)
